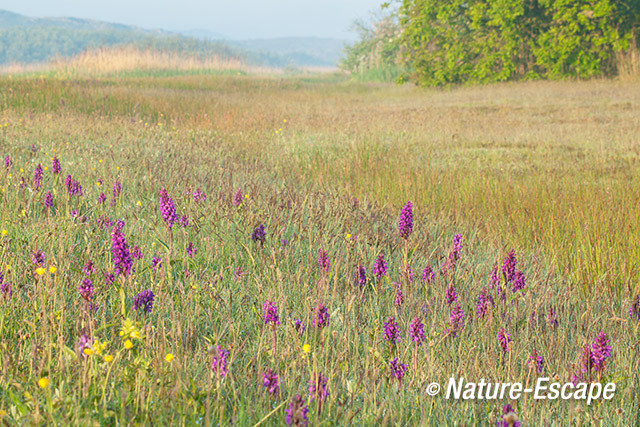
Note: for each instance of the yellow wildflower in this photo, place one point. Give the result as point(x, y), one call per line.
point(52, 269)
point(43, 382)
point(98, 347)
point(169, 357)
point(306, 348)
point(130, 330)
point(128, 344)
point(40, 271)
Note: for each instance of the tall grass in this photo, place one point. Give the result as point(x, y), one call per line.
point(549, 169)
point(383, 73)
point(126, 58)
point(130, 60)
point(546, 166)
point(628, 62)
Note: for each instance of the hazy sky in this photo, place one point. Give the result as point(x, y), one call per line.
point(232, 18)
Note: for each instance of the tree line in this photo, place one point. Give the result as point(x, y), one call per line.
point(443, 42)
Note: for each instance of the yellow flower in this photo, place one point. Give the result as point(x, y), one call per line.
point(128, 344)
point(21, 170)
point(108, 358)
point(306, 348)
point(98, 184)
point(130, 330)
point(40, 271)
point(5, 232)
point(246, 196)
point(139, 203)
point(169, 357)
point(98, 347)
point(88, 351)
point(348, 236)
point(43, 382)
point(53, 269)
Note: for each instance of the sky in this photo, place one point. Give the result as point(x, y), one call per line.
point(235, 19)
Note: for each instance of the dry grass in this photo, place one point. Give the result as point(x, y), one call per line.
point(628, 63)
point(130, 60)
point(116, 60)
point(126, 58)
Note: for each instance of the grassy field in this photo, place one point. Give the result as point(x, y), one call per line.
point(549, 169)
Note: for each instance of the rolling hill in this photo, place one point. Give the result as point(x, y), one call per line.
point(28, 40)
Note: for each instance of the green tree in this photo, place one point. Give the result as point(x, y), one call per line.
point(581, 38)
point(435, 38)
point(503, 38)
point(377, 52)
point(456, 41)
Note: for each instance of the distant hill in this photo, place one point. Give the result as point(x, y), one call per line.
point(25, 39)
point(202, 34)
point(31, 40)
point(11, 20)
point(311, 51)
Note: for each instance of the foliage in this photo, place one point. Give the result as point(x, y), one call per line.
point(581, 38)
point(376, 56)
point(455, 41)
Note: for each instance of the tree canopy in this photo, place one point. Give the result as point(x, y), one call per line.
point(442, 42)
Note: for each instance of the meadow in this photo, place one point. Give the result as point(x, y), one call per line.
point(233, 248)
